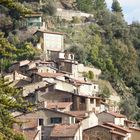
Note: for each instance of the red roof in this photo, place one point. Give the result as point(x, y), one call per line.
point(134, 128)
point(117, 127)
point(78, 113)
point(118, 133)
point(128, 121)
point(103, 126)
point(30, 134)
point(64, 130)
point(59, 105)
point(117, 115)
point(49, 75)
point(27, 122)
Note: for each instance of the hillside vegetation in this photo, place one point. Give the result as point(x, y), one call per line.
point(107, 42)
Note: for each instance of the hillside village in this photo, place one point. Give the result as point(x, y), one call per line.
point(68, 100)
point(67, 105)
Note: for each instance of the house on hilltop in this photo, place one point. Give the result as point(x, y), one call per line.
point(103, 132)
point(51, 43)
point(107, 116)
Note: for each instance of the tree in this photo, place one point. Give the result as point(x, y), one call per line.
point(26, 50)
point(7, 50)
point(116, 6)
point(49, 8)
point(128, 107)
point(10, 101)
point(85, 5)
point(99, 5)
point(14, 5)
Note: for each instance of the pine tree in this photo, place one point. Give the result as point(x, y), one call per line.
point(85, 5)
point(10, 100)
point(99, 4)
point(116, 6)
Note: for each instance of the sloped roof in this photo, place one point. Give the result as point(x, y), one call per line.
point(59, 105)
point(118, 133)
point(31, 134)
point(117, 127)
point(49, 75)
point(64, 130)
point(113, 114)
point(49, 32)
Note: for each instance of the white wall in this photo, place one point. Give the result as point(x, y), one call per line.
point(78, 135)
point(90, 121)
point(64, 86)
point(53, 42)
point(89, 89)
point(119, 121)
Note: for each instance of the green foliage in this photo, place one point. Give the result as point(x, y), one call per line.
point(7, 50)
point(10, 100)
point(14, 5)
point(85, 5)
point(89, 75)
point(26, 51)
point(19, 137)
point(104, 92)
point(116, 6)
point(128, 107)
point(75, 20)
point(99, 5)
point(49, 8)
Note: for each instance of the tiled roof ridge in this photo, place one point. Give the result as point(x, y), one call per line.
point(118, 127)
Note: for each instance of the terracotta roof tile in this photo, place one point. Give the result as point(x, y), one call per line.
point(117, 127)
point(118, 133)
point(64, 130)
point(113, 114)
point(103, 126)
point(134, 128)
point(30, 134)
point(59, 105)
point(50, 75)
point(81, 114)
point(28, 122)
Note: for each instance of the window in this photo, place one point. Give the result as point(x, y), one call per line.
point(40, 122)
point(92, 101)
point(56, 120)
point(82, 100)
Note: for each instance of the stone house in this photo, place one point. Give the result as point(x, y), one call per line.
point(68, 66)
point(30, 88)
point(66, 132)
point(17, 65)
point(85, 118)
point(60, 106)
point(29, 128)
point(113, 117)
point(16, 76)
point(101, 132)
point(80, 87)
point(41, 67)
point(120, 129)
point(46, 117)
point(33, 20)
point(51, 43)
point(46, 76)
point(80, 102)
